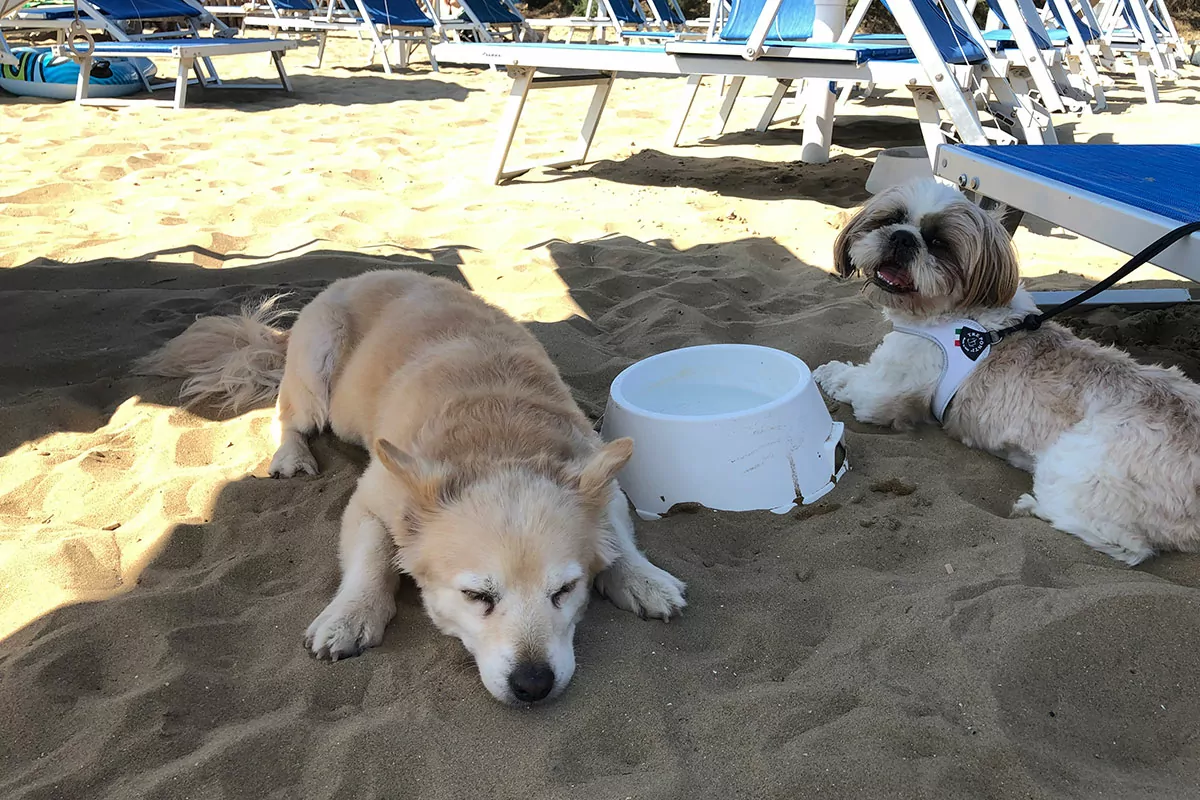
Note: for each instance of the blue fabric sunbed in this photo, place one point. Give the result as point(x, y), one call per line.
point(123, 10)
point(188, 51)
point(399, 13)
point(1122, 195)
point(493, 12)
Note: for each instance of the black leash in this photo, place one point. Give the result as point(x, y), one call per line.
point(1034, 321)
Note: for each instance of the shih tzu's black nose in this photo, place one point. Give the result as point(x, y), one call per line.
point(904, 242)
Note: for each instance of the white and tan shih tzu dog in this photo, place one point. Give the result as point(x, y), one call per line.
point(1113, 445)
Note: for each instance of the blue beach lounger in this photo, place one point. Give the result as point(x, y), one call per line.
point(919, 67)
point(1122, 195)
point(124, 21)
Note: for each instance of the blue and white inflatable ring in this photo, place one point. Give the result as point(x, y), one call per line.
point(40, 73)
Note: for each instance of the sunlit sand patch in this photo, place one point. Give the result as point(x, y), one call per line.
point(82, 514)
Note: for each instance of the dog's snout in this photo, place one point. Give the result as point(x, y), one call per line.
point(904, 241)
point(531, 681)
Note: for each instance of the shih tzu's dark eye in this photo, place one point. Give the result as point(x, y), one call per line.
point(933, 241)
point(562, 592)
point(486, 599)
point(895, 218)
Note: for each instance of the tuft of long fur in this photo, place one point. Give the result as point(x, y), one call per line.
point(234, 360)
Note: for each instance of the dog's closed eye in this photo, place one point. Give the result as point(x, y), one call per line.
point(487, 599)
point(562, 592)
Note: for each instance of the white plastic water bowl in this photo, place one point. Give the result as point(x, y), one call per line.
point(733, 427)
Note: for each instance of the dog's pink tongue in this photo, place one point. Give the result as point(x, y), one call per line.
point(895, 276)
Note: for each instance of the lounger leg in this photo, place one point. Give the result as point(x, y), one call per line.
point(321, 36)
point(768, 115)
point(145, 82)
point(181, 82)
point(1145, 76)
point(383, 58)
point(429, 49)
point(927, 106)
point(84, 80)
point(522, 81)
point(846, 92)
point(1035, 122)
point(731, 96)
point(1105, 55)
point(693, 88)
point(819, 105)
point(197, 67)
point(591, 121)
point(797, 113)
point(211, 69)
point(284, 80)
point(377, 44)
point(1091, 76)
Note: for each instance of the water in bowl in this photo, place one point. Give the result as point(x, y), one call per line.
point(700, 399)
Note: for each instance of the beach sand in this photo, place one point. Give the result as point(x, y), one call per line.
point(902, 638)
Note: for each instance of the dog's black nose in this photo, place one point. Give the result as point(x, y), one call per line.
point(531, 681)
point(904, 241)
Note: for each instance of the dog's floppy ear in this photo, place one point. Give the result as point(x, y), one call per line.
point(425, 480)
point(841, 246)
point(994, 277)
point(599, 471)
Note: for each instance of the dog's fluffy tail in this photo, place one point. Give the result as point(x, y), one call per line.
point(235, 360)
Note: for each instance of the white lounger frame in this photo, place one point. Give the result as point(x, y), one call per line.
point(599, 66)
point(1036, 126)
point(406, 39)
point(985, 83)
point(11, 18)
point(1152, 59)
point(1083, 57)
point(1101, 219)
point(1047, 68)
point(198, 61)
point(190, 56)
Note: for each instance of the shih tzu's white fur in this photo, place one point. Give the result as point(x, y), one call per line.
point(1113, 445)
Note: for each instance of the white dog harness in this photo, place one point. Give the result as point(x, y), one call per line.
point(964, 344)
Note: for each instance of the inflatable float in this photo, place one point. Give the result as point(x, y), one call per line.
point(40, 73)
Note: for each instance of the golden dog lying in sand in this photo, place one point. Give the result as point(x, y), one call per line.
point(487, 484)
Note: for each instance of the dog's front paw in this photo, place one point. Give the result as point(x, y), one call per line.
point(291, 460)
point(642, 588)
point(1026, 506)
point(832, 378)
point(347, 628)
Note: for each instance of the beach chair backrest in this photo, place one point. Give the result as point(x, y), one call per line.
point(627, 12)
point(293, 5)
point(145, 9)
point(667, 12)
point(1061, 8)
point(793, 23)
point(950, 36)
point(492, 12)
point(398, 13)
point(1137, 17)
point(1036, 29)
